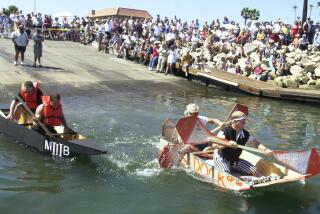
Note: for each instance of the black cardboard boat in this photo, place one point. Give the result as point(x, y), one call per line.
point(62, 145)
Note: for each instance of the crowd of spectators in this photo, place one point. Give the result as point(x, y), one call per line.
point(59, 28)
point(160, 43)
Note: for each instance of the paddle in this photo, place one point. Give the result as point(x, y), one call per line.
point(224, 142)
point(306, 162)
point(227, 121)
point(47, 131)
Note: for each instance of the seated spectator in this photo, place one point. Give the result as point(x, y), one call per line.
point(199, 63)
point(303, 43)
point(248, 67)
point(281, 64)
point(316, 40)
point(222, 64)
point(261, 36)
point(258, 71)
point(238, 70)
point(296, 42)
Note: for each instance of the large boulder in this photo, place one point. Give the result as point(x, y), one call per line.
point(298, 57)
point(296, 70)
point(219, 56)
point(317, 72)
point(309, 66)
point(314, 58)
point(242, 63)
point(253, 76)
point(303, 79)
point(278, 81)
point(291, 61)
point(290, 82)
point(248, 48)
point(311, 82)
point(291, 54)
point(255, 56)
point(291, 48)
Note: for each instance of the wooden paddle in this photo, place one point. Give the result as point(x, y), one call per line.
point(44, 127)
point(226, 143)
point(47, 131)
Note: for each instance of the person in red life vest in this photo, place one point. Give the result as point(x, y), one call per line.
point(50, 113)
point(31, 95)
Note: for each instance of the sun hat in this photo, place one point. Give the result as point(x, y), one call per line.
point(238, 115)
point(191, 108)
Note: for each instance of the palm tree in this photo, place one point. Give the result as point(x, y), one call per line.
point(254, 14)
point(310, 7)
point(245, 13)
point(295, 12)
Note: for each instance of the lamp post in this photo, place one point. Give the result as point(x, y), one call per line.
point(318, 6)
point(34, 6)
point(295, 12)
point(310, 7)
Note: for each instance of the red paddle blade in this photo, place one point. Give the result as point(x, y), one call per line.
point(192, 131)
point(306, 161)
point(169, 156)
point(242, 108)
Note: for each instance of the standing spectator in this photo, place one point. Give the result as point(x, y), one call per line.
point(172, 59)
point(294, 29)
point(155, 56)
point(37, 47)
point(187, 61)
point(163, 56)
point(307, 27)
point(20, 40)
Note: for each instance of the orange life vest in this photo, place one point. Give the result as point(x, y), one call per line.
point(51, 116)
point(30, 100)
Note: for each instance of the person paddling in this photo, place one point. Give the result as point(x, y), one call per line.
point(192, 109)
point(227, 159)
point(31, 95)
point(50, 113)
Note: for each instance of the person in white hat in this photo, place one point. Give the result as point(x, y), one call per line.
point(192, 109)
point(228, 158)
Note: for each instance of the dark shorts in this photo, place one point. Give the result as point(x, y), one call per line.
point(20, 48)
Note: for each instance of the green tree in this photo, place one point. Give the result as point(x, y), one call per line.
point(245, 13)
point(10, 9)
point(254, 14)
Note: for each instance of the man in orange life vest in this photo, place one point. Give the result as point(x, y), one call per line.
point(50, 114)
point(31, 95)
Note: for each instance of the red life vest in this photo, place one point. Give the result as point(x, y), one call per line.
point(51, 116)
point(30, 100)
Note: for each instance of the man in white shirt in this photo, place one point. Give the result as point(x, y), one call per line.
point(20, 40)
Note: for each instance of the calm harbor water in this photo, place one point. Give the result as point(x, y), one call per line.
point(128, 179)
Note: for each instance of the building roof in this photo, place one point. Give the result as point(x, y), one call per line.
point(120, 11)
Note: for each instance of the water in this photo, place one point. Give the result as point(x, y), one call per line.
point(126, 120)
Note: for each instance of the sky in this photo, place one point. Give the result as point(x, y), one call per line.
point(204, 10)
